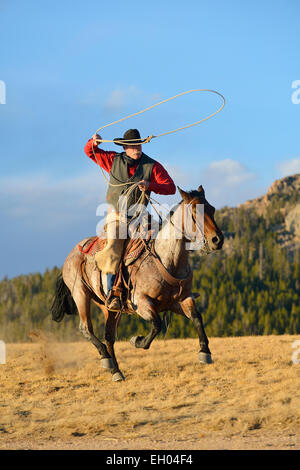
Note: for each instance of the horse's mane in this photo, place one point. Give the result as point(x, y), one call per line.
point(194, 194)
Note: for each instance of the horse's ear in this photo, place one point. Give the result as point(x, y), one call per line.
point(201, 190)
point(183, 194)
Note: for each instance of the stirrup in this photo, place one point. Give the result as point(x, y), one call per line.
point(113, 303)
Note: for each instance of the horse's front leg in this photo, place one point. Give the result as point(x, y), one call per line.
point(189, 309)
point(146, 310)
point(110, 335)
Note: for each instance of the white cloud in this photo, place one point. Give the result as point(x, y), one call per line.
point(117, 100)
point(121, 97)
point(46, 203)
point(180, 176)
point(289, 167)
point(228, 182)
point(228, 172)
point(42, 218)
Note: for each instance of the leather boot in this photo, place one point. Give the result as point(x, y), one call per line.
point(112, 302)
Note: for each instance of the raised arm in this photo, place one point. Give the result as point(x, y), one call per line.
point(102, 158)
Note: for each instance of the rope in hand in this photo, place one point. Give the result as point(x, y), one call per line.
point(149, 138)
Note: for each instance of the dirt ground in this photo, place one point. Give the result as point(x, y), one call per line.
point(57, 396)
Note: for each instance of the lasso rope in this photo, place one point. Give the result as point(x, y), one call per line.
point(158, 104)
point(133, 185)
point(149, 138)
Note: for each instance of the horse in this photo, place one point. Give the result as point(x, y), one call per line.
point(159, 280)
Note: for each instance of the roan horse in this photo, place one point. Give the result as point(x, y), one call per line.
point(159, 280)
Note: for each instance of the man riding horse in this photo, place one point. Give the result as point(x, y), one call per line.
point(130, 166)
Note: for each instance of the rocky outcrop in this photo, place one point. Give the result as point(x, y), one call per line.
point(284, 193)
point(281, 207)
point(292, 221)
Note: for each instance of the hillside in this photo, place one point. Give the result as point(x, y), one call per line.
point(280, 207)
point(251, 287)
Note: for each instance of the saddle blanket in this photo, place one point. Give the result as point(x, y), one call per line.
point(133, 247)
point(92, 246)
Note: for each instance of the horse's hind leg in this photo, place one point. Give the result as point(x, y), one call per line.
point(189, 309)
point(147, 312)
point(110, 335)
point(82, 298)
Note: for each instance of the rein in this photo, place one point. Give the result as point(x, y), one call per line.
point(169, 278)
point(161, 215)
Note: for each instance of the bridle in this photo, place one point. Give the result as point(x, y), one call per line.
point(178, 283)
point(204, 244)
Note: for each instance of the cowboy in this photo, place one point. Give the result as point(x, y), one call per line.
point(129, 166)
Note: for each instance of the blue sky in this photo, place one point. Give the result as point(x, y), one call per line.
point(71, 67)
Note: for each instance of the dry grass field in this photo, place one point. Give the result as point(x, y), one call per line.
point(56, 396)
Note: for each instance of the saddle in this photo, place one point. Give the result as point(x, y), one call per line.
point(133, 249)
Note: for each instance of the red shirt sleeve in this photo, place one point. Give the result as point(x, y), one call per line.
point(161, 182)
point(102, 157)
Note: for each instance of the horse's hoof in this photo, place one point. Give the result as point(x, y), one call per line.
point(133, 340)
point(205, 358)
point(118, 377)
point(107, 363)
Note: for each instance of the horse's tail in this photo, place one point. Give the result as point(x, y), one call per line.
point(63, 301)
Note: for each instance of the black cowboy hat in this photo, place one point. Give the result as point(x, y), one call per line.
point(132, 136)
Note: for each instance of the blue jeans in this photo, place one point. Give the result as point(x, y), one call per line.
point(110, 279)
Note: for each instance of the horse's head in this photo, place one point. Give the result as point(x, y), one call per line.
point(213, 238)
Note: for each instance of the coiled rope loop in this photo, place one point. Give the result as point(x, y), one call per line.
point(149, 138)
